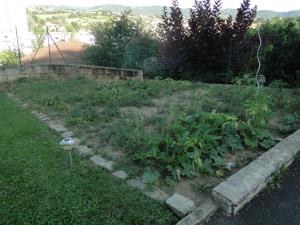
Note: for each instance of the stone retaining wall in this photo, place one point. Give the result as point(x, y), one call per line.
point(65, 71)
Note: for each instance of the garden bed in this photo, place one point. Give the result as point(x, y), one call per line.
point(155, 128)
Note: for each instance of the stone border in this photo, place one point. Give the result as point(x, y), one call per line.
point(239, 189)
point(201, 214)
point(231, 195)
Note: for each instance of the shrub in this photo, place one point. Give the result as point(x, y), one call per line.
point(121, 42)
point(8, 57)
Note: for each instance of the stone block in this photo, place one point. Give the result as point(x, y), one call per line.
point(99, 161)
point(201, 214)
point(180, 205)
point(120, 174)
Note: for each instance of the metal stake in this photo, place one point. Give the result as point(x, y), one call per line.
point(71, 160)
point(19, 51)
point(49, 49)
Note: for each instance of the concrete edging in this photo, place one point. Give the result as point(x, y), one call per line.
point(239, 189)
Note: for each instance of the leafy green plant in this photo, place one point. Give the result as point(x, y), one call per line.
point(9, 57)
point(81, 114)
point(247, 79)
point(254, 137)
point(150, 176)
point(190, 145)
point(52, 101)
point(198, 188)
point(276, 180)
point(258, 111)
point(291, 122)
point(55, 102)
point(280, 84)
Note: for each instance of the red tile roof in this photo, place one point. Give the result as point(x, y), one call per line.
point(71, 50)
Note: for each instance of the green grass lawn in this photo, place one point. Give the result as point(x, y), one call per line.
point(36, 187)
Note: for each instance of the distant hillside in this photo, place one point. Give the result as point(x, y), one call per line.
point(157, 10)
point(136, 10)
point(268, 14)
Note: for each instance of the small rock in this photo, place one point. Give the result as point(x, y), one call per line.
point(120, 174)
point(231, 165)
point(180, 204)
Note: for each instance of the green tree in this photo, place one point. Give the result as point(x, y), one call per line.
point(281, 53)
point(173, 37)
point(9, 57)
point(204, 49)
point(120, 42)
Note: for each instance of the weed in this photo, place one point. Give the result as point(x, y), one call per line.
point(81, 114)
point(276, 180)
point(200, 187)
point(150, 176)
point(280, 84)
point(291, 122)
point(247, 79)
point(258, 111)
point(187, 145)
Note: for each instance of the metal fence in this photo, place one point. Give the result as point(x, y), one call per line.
point(18, 47)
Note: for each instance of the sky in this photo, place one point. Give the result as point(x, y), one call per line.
point(276, 5)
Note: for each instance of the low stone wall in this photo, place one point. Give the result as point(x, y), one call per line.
point(66, 71)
